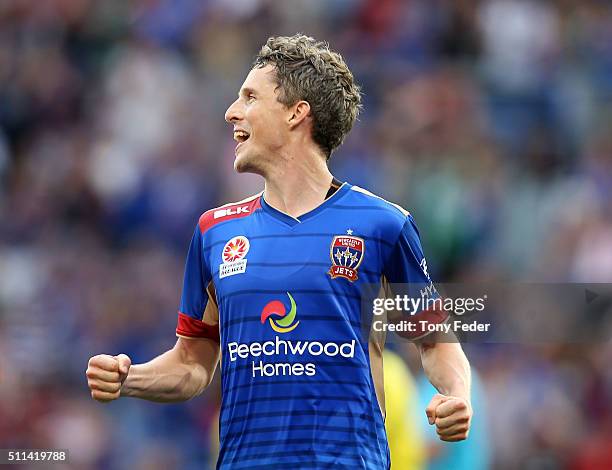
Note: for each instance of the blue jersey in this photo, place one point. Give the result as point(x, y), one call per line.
point(301, 385)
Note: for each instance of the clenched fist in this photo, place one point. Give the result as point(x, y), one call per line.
point(451, 415)
point(106, 374)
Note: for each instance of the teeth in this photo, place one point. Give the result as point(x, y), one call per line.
point(241, 135)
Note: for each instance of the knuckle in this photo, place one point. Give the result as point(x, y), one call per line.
point(95, 359)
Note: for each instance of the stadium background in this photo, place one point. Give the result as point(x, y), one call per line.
point(489, 120)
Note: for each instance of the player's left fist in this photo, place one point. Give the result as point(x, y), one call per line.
point(451, 415)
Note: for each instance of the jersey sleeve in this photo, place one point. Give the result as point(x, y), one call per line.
point(405, 273)
point(198, 315)
point(406, 263)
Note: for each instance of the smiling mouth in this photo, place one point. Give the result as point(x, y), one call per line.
point(241, 136)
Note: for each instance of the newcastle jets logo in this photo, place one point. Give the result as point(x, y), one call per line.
point(233, 254)
point(346, 254)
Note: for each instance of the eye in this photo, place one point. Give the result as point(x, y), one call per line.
point(250, 97)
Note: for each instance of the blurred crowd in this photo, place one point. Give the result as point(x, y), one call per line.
point(491, 121)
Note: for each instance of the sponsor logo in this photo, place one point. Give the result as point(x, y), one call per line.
point(346, 253)
point(430, 290)
point(231, 211)
point(423, 265)
point(233, 254)
point(292, 352)
point(288, 349)
point(276, 308)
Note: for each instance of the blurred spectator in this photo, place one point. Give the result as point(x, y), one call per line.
point(402, 423)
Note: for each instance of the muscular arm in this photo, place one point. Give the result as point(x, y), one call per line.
point(177, 375)
point(446, 367)
point(448, 370)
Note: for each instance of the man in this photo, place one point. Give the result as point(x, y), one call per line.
point(403, 420)
point(273, 284)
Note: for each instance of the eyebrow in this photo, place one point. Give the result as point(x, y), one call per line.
point(246, 91)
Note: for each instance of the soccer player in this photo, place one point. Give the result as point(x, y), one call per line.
point(273, 285)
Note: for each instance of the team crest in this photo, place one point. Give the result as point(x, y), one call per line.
point(346, 253)
point(233, 255)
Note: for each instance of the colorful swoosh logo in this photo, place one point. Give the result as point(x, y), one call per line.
point(277, 309)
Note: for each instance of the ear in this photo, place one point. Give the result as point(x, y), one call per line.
point(298, 113)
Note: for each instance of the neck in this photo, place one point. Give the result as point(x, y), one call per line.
point(298, 184)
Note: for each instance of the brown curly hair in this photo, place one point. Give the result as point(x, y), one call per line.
point(308, 70)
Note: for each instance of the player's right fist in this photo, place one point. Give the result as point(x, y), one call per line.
point(106, 374)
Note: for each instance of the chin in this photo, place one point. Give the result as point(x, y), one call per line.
point(244, 163)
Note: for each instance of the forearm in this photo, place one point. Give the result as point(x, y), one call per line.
point(170, 377)
point(447, 368)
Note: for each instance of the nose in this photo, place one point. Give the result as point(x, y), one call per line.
point(234, 112)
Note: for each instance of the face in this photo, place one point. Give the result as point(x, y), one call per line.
point(259, 120)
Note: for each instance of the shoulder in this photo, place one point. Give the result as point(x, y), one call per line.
point(389, 214)
point(230, 211)
point(369, 198)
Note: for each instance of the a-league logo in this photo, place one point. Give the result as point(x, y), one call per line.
point(233, 255)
